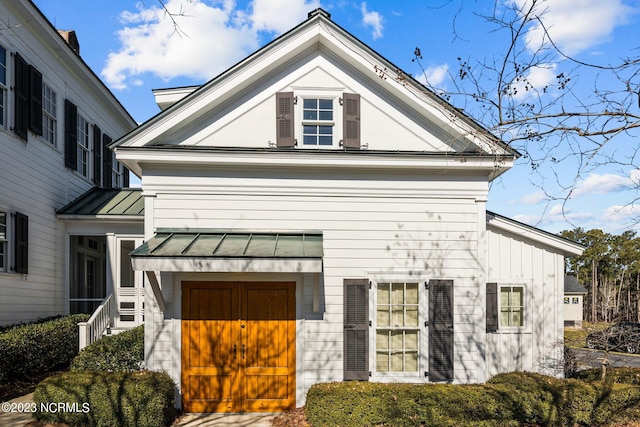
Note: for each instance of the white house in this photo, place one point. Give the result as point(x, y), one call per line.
point(314, 214)
point(573, 299)
point(57, 119)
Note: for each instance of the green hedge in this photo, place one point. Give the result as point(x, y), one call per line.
point(123, 352)
point(614, 375)
point(32, 349)
point(513, 399)
point(105, 399)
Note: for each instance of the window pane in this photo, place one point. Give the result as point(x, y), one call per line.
point(397, 315)
point(412, 293)
point(325, 130)
point(396, 362)
point(411, 362)
point(382, 340)
point(504, 296)
point(310, 115)
point(309, 140)
point(325, 140)
point(412, 316)
point(310, 104)
point(397, 339)
point(383, 317)
point(518, 297)
point(411, 340)
point(325, 115)
point(516, 318)
point(383, 293)
point(382, 361)
point(3, 225)
point(397, 293)
point(504, 317)
point(326, 104)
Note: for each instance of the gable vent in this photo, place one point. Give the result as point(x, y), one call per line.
point(319, 11)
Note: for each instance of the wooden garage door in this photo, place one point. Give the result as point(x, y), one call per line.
point(238, 346)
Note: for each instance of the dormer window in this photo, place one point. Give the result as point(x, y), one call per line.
point(317, 122)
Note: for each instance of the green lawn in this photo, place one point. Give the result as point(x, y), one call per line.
point(576, 338)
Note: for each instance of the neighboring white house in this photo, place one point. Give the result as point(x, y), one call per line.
point(573, 300)
point(314, 214)
point(56, 120)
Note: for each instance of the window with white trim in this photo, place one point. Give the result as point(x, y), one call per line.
point(3, 87)
point(317, 122)
point(83, 147)
point(3, 240)
point(117, 172)
point(49, 114)
point(397, 331)
point(511, 306)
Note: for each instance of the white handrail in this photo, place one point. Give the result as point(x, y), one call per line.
point(91, 330)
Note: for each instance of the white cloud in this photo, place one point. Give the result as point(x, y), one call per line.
point(556, 214)
point(622, 214)
point(434, 76)
point(372, 19)
point(280, 15)
point(210, 37)
point(606, 183)
point(533, 198)
point(537, 78)
point(576, 25)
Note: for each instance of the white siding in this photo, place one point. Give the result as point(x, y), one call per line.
point(366, 230)
point(34, 180)
point(514, 260)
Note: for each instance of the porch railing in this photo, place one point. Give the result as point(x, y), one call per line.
point(91, 330)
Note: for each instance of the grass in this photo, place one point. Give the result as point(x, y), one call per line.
point(576, 338)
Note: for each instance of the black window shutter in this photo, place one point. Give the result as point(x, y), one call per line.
point(21, 101)
point(106, 162)
point(492, 307)
point(21, 243)
point(284, 120)
point(97, 155)
point(125, 178)
point(356, 329)
point(70, 135)
point(35, 100)
point(441, 330)
point(351, 120)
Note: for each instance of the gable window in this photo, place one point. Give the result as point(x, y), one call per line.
point(84, 149)
point(317, 122)
point(49, 114)
point(3, 86)
point(511, 306)
point(397, 332)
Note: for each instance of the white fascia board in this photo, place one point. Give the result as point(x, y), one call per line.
point(567, 247)
point(310, 159)
point(227, 265)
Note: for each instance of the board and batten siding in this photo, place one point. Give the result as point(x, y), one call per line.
point(538, 345)
point(403, 226)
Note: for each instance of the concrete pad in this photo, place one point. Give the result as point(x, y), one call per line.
point(231, 420)
point(9, 415)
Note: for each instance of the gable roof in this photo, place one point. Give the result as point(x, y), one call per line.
point(572, 286)
point(317, 33)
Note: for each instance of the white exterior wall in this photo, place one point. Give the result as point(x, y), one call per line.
point(538, 345)
point(395, 227)
point(574, 311)
point(34, 179)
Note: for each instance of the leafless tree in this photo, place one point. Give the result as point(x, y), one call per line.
point(588, 116)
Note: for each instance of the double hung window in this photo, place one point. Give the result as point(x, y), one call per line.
point(3, 87)
point(317, 122)
point(397, 331)
point(49, 114)
point(84, 149)
point(511, 306)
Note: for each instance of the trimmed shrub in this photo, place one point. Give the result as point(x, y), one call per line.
point(35, 348)
point(105, 399)
point(123, 352)
point(513, 399)
point(614, 375)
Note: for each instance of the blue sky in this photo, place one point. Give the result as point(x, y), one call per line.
point(135, 48)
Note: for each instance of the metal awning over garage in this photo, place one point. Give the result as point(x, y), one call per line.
point(230, 251)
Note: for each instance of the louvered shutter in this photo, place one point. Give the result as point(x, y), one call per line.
point(106, 162)
point(35, 100)
point(97, 155)
point(21, 100)
point(125, 178)
point(284, 120)
point(441, 330)
point(351, 120)
point(492, 307)
point(70, 135)
point(356, 329)
point(21, 243)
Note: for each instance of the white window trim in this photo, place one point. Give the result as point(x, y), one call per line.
point(47, 115)
point(82, 149)
point(526, 315)
point(423, 343)
point(318, 93)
